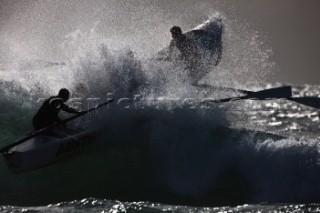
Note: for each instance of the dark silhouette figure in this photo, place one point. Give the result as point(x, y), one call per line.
point(47, 115)
point(188, 45)
point(188, 49)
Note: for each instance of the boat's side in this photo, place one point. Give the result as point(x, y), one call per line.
point(43, 150)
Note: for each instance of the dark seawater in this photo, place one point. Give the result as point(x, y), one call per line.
point(96, 205)
point(159, 149)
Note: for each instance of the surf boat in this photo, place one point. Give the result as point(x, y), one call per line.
point(46, 148)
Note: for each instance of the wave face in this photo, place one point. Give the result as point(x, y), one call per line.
point(158, 141)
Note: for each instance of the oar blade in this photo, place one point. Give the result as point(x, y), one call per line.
point(273, 93)
point(279, 92)
point(308, 101)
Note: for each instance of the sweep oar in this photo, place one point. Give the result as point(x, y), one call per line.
point(308, 101)
point(272, 93)
point(41, 131)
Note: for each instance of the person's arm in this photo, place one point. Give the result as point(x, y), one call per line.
point(170, 50)
point(194, 48)
point(66, 108)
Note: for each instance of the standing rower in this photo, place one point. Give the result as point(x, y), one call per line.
point(189, 53)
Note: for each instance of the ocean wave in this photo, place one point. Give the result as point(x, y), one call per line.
point(167, 153)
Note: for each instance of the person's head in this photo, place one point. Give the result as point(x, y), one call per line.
point(64, 94)
point(176, 31)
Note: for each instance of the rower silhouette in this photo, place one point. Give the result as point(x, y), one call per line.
point(47, 115)
point(189, 53)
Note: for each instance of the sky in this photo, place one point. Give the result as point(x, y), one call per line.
point(36, 29)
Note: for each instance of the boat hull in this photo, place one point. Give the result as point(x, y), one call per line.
point(46, 149)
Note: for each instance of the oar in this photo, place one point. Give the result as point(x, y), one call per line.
point(308, 101)
point(279, 92)
point(41, 131)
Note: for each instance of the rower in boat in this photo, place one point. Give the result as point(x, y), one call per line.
point(47, 115)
